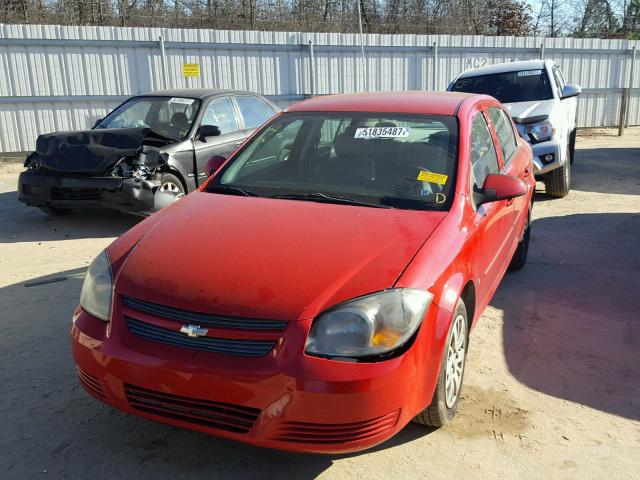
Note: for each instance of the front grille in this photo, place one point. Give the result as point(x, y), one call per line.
point(245, 337)
point(219, 415)
point(325, 433)
point(91, 383)
point(59, 193)
point(202, 319)
point(227, 346)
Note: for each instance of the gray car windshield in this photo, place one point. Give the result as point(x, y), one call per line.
point(372, 159)
point(509, 87)
point(171, 117)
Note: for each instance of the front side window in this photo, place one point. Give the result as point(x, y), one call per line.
point(504, 131)
point(377, 159)
point(509, 87)
point(559, 80)
point(170, 117)
point(483, 153)
point(220, 113)
point(253, 110)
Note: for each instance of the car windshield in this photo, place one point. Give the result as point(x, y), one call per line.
point(372, 159)
point(171, 117)
point(509, 87)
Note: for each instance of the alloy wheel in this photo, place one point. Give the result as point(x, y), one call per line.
point(456, 354)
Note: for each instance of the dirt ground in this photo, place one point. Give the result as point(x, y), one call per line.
point(552, 387)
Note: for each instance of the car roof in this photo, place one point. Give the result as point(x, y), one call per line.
point(505, 67)
point(201, 93)
point(437, 103)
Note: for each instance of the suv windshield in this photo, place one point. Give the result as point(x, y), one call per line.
point(372, 159)
point(509, 87)
point(171, 117)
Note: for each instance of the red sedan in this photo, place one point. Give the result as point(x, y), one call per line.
point(317, 293)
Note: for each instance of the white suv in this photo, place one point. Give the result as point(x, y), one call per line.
point(542, 106)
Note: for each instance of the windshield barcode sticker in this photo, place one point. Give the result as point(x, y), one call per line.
point(183, 101)
point(527, 73)
point(382, 132)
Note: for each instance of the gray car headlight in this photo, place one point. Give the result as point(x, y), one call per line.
point(97, 289)
point(370, 325)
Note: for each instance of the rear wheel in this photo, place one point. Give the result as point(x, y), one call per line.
point(444, 404)
point(55, 211)
point(572, 144)
point(558, 182)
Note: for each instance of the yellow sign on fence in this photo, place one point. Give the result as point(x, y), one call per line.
point(191, 69)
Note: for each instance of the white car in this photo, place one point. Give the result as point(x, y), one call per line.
point(542, 106)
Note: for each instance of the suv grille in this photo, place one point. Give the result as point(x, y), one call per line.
point(220, 415)
point(246, 337)
point(59, 193)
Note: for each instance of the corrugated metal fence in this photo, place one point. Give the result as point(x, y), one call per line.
point(64, 78)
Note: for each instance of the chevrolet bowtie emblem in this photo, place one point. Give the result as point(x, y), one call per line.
point(194, 330)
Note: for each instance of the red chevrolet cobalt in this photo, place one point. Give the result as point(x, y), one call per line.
point(317, 293)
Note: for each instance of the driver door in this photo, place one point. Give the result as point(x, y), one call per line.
point(221, 113)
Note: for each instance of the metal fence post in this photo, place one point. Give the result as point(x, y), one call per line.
point(542, 51)
point(626, 95)
point(312, 69)
point(435, 66)
point(163, 62)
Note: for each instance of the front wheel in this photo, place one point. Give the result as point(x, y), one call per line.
point(558, 182)
point(444, 404)
point(520, 256)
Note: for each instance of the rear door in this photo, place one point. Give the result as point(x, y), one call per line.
point(222, 113)
point(515, 161)
point(494, 220)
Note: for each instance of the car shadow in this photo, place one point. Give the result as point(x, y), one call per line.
point(21, 223)
point(571, 322)
point(49, 423)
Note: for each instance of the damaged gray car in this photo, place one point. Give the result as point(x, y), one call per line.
point(148, 152)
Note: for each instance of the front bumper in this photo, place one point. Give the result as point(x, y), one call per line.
point(541, 161)
point(285, 399)
point(41, 189)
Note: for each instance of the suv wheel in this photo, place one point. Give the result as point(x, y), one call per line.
point(558, 181)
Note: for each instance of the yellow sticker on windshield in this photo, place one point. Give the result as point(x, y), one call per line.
point(431, 177)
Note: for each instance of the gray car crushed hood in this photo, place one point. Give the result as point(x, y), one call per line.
point(92, 152)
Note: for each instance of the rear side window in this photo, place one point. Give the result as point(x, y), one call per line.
point(221, 114)
point(504, 131)
point(254, 111)
point(483, 152)
point(509, 87)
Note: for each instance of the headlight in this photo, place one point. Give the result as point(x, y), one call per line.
point(97, 289)
point(540, 131)
point(371, 325)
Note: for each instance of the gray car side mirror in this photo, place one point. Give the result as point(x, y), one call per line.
point(571, 90)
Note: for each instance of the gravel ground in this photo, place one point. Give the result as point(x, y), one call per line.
point(552, 387)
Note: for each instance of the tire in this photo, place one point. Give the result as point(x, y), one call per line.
point(558, 181)
point(55, 211)
point(572, 145)
point(172, 184)
point(443, 408)
point(520, 256)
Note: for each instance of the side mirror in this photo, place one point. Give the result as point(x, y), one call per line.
point(570, 90)
point(213, 164)
point(205, 131)
point(498, 186)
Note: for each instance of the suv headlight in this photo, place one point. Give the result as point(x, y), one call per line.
point(97, 289)
point(371, 325)
point(540, 131)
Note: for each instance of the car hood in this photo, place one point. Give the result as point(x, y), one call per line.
point(269, 258)
point(92, 152)
point(526, 112)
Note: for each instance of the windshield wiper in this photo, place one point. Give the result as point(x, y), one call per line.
point(324, 198)
point(228, 190)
